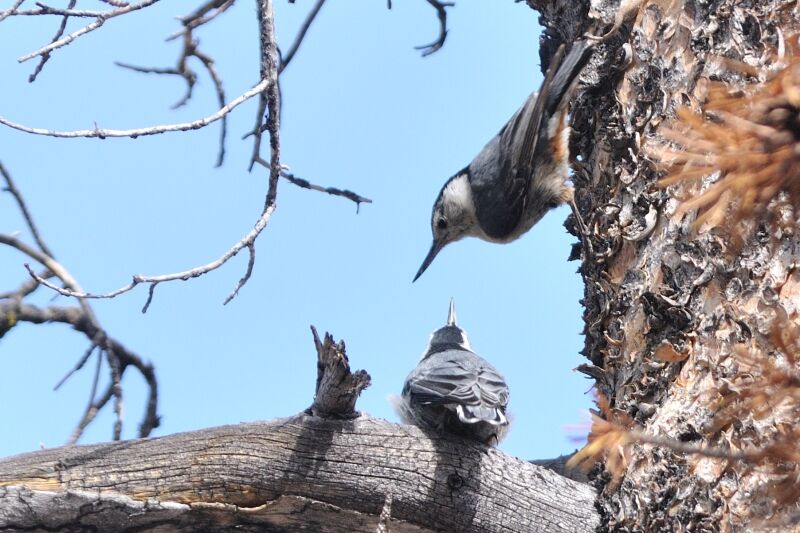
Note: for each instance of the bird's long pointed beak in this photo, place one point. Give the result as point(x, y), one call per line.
point(451, 316)
point(436, 247)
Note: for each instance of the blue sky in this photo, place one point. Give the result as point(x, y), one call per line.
point(361, 110)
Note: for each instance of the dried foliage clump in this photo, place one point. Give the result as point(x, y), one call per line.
point(749, 139)
point(765, 384)
point(608, 440)
point(768, 384)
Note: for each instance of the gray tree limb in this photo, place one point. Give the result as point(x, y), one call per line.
point(290, 474)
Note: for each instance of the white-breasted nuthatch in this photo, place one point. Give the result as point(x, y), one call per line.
point(453, 390)
point(521, 173)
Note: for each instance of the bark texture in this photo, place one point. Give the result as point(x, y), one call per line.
point(337, 388)
point(302, 473)
point(654, 287)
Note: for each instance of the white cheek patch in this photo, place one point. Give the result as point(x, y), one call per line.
point(459, 194)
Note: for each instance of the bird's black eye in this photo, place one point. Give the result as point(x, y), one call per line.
point(441, 223)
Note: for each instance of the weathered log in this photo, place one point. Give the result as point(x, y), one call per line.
point(302, 473)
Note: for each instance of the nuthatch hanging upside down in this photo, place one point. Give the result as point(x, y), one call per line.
point(520, 174)
point(453, 390)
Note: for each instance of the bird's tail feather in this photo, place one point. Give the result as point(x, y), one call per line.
point(565, 69)
point(472, 414)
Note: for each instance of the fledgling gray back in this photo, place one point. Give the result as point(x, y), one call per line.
point(454, 390)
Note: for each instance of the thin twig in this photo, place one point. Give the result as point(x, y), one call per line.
point(77, 318)
point(257, 132)
point(190, 49)
point(28, 287)
point(428, 49)
point(148, 70)
point(208, 62)
point(95, 379)
point(152, 130)
point(115, 3)
point(45, 10)
point(46, 56)
point(199, 17)
point(184, 275)
point(305, 184)
point(116, 390)
point(89, 415)
point(745, 454)
point(11, 11)
point(47, 261)
point(250, 264)
point(83, 319)
point(11, 187)
point(99, 21)
point(298, 40)
point(82, 361)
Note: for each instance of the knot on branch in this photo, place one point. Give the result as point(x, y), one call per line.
point(337, 388)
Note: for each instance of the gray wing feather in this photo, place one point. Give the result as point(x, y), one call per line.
point(514, 150)
point(457, 378)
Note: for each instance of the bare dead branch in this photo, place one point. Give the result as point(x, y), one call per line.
point(11, 11)
point(79, 365)
point(185, 275)
point(149, 70)
point(116, 391)
point(46, 56)
point(428, 49)
point(201, 16)
point(301, 34)
point(337, 387)
point(11, 187)
point(82, 318)
point(152, 130)
point(45, 10)
point(83, 323)
point(95, 382)
point(250, 264)
point(115, 3)
point(28, 287)
point(99, 21)
point(188, 76)
point(208, 62)
point(269, 106)
point(305, 184)
point(257, 133)
point(51, 264)
point(150, 292)
point(269, 100)
point(90, 414)
point(190, 49)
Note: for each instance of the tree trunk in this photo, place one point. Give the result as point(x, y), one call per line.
point(302, 473)
point(668, 308)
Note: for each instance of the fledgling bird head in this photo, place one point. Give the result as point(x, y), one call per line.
point(453, 216)
point(448, 337)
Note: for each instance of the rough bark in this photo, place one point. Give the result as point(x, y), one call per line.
point(337, 388)
point(652, 283)
point(302, 473)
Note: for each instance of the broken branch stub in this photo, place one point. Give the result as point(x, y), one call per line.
point(337, 388)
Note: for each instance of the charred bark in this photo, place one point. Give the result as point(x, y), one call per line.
point(667, 306)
